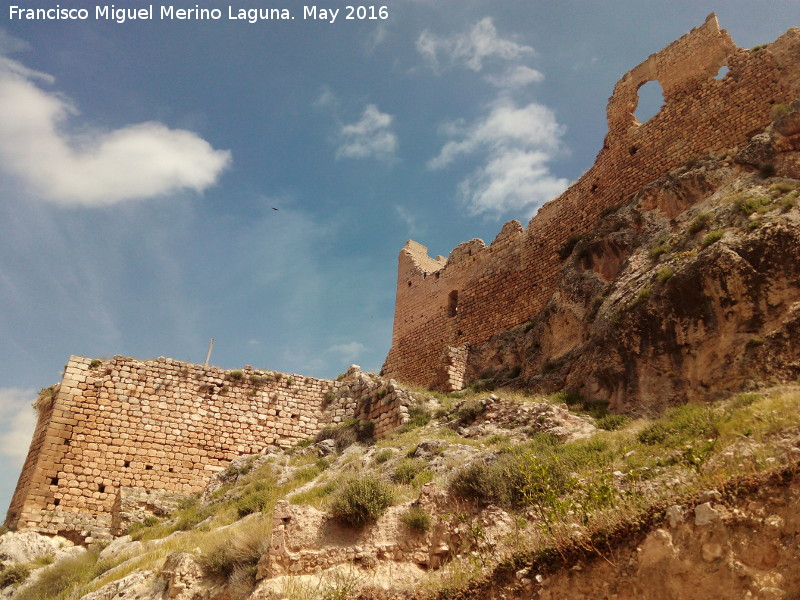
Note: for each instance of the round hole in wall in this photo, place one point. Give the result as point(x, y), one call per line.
point(650, 99)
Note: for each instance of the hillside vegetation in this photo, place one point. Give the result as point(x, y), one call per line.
point(525, 485)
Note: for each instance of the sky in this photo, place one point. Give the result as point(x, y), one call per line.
point(164, 182)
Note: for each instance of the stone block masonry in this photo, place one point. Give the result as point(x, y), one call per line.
point(445, 306)
point(119, 439)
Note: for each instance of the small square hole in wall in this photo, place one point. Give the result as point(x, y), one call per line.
point(54, 481)
point(56, 502)
point(101, 488)
point(127, 464)
point(171, 470)
point(148, 467)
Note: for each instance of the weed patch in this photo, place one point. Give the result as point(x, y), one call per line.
point(363, 499)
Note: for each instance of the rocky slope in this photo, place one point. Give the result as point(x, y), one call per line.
point(689, 291)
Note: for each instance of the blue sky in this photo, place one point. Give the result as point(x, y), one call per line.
point(140, 164)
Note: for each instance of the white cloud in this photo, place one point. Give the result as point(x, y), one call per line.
point(347, 352)
point(409, 219)
point(470, 48)
point(326, 98)
point(370, 137)
point(18, 421)
point(516, 77)
point(518, 143)
point(98, 167)
point(512, 180)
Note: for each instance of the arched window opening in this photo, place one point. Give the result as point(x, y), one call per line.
point(651, 99)
point(452, 303)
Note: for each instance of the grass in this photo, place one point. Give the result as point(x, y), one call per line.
point(711, 238)
point(58, 581)
point(665, 274)
point(749, 203)
point(699, 223)
point(613, 422)
point(642, 296)
point(778, 110)
point(238, 550)
point(383, 455)
point(418, 417)
point(13, 574)
point(657, 251)
point(407, 469)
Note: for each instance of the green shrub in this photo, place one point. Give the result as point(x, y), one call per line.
point(470, 410)
point(346, 433)
point(747, 203)
point(236, 552)
point(778, 110)
point(481, 482)
point(418, 417)
point(13, 574)
point(569, 397)
point(656, 251)
point(767, 170)
point(568, 246)
point(483, 385)
point(613, 422)
point(236, 375)
point(711, 238)
point(642, 296)
point(746, 399)
point(788, 202)
point(595, 408)
point(653, 434)
point(95, 363)
point(781, 188)
point(417, 519)
point(699, 223)
point(407, 469)
point(256, 498)
point(665, 274)
point(363, 499)
point(384, 455)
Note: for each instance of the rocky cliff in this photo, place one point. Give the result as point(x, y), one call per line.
point(689, 291)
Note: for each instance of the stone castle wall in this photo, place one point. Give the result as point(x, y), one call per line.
point(124, 437)
point(444, 306)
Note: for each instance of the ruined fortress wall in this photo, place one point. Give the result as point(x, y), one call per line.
point(118, 432)
point(444, 306)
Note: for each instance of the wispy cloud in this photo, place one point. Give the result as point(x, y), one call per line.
point(369, 137)
point(94, 167)
point(409, 219)
point(347, 352)
point(326, 99)
point(518, 143)
point(17, 420)
point(516, 77)
point(470, 48)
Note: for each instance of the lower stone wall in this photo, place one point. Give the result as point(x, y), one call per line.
point(116, 435)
